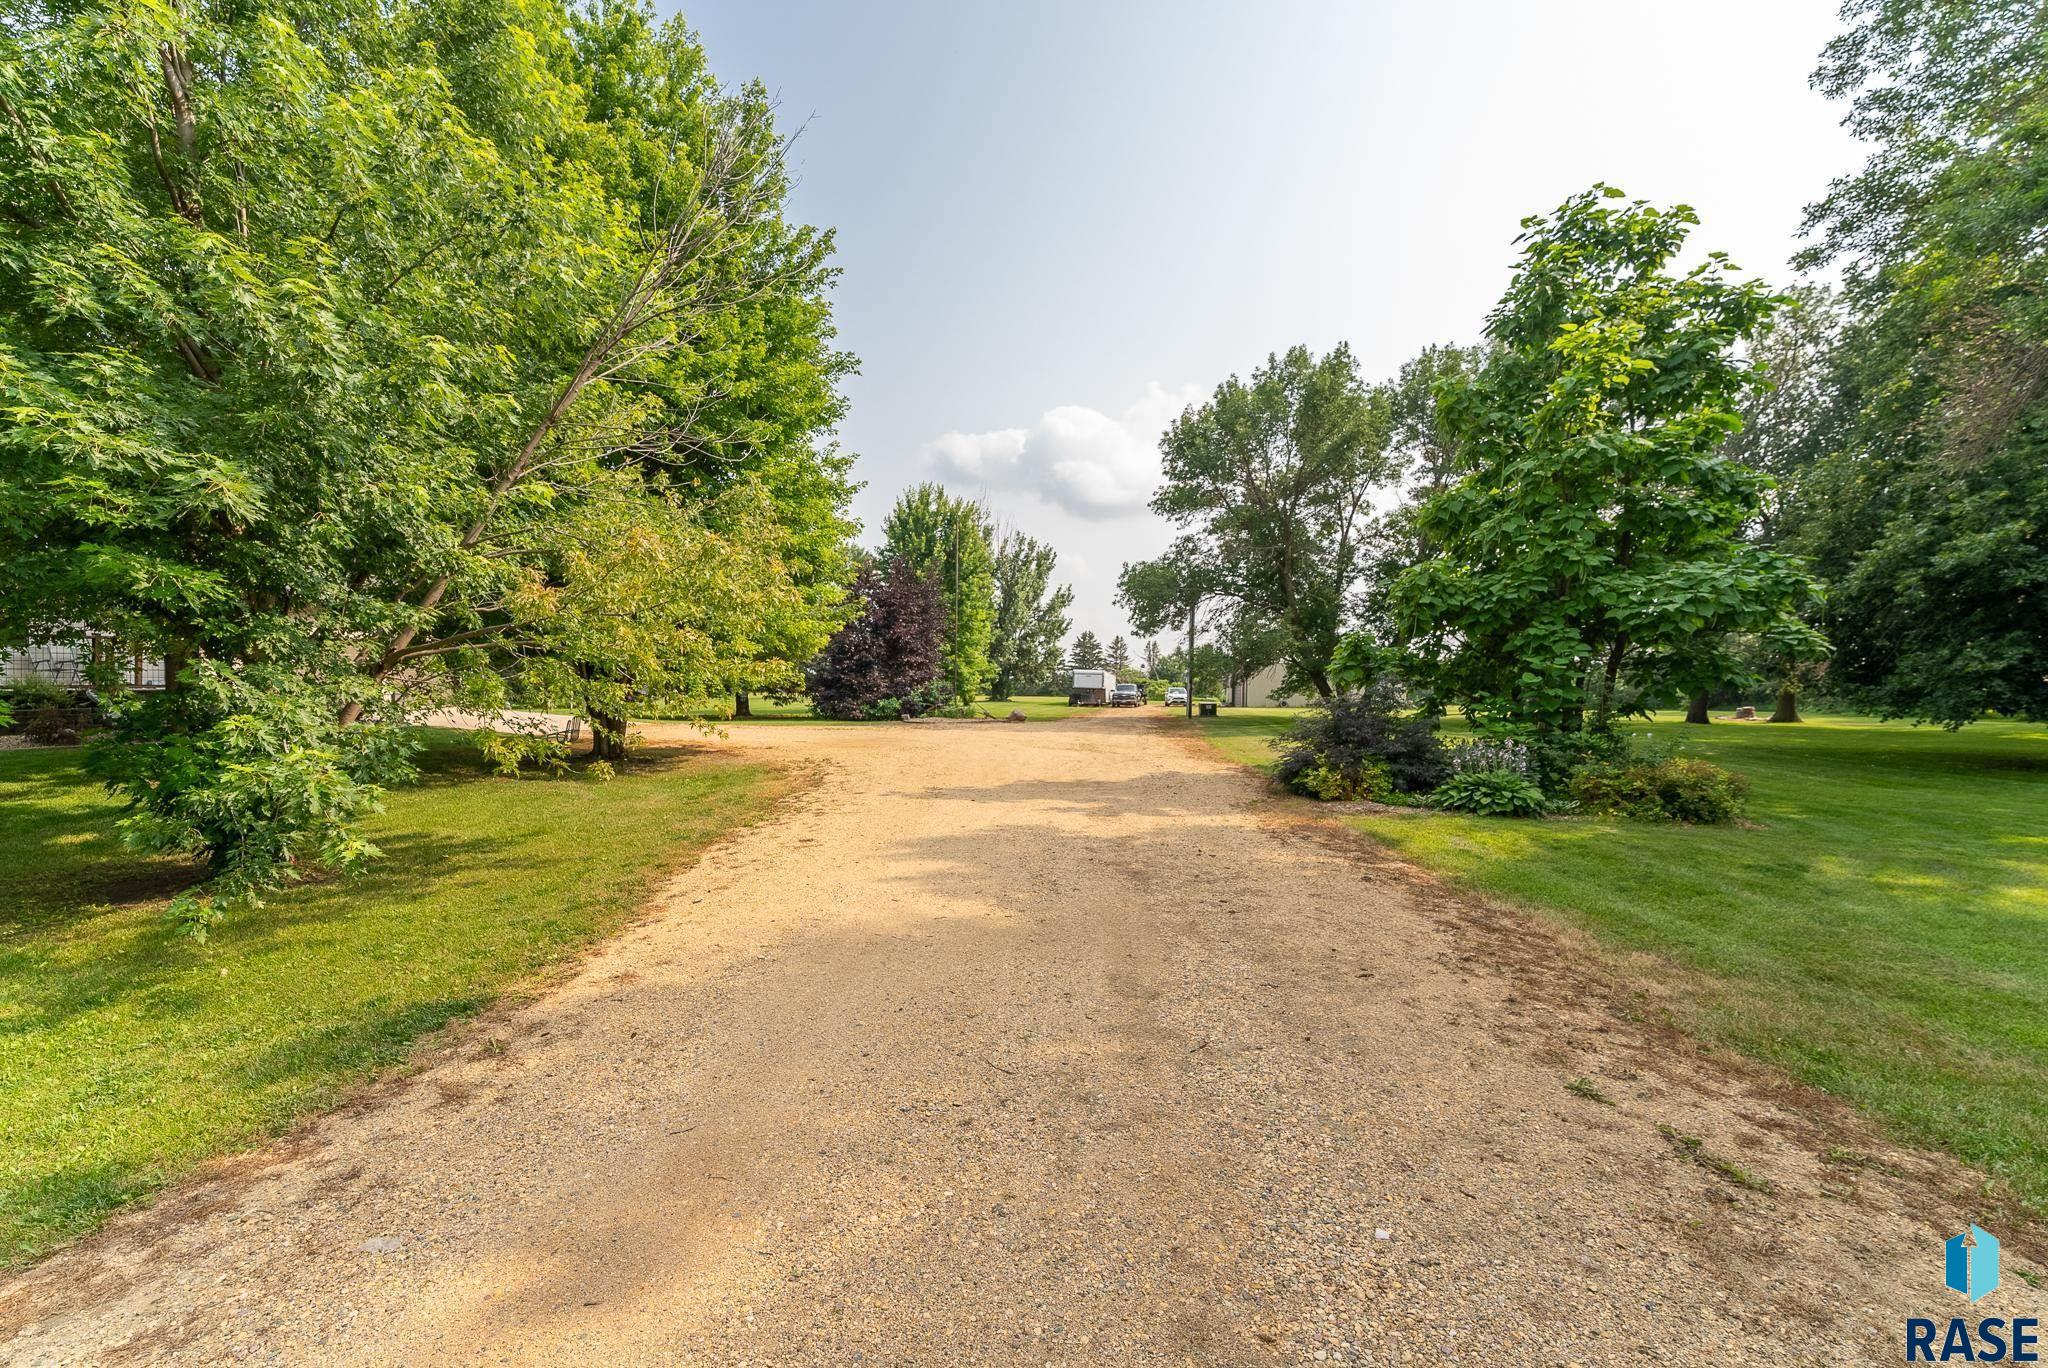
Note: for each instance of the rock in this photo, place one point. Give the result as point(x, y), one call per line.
point(1017, 715)
point(382, 1244)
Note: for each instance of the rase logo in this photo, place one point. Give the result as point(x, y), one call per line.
point(1971, 1268)
point(1973, 1263)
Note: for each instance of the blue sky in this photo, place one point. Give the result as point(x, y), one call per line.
point(1060, 222)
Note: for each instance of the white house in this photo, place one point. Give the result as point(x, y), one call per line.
point(65, 662)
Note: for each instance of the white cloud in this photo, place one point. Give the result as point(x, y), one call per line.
point(1080, 459)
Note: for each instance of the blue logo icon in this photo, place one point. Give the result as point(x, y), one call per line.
point(1973, 1263)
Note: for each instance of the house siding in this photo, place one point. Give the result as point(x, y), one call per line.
point(1261, 689)
point(65, 663)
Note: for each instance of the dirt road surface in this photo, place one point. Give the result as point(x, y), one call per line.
point(1052, 1043)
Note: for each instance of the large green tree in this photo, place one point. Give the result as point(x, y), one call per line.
point(1792, 419)
point(1423, 459)
point(1595, 525)
point(1277, 471)
point(1088, 653)
point(1167, 593)
point(344, 347)
point(1249, 642)
point(1424, 455)
point(951, 542)
point(1928, 517)
point(1030, 614)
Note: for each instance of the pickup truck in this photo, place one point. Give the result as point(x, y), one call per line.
point(1126, 696)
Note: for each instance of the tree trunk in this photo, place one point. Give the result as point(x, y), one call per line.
point(1788, 707)
point(1609, 675)
point(607, 736)
point(1321, 680)
point(1191, 661)
point(741, 706)
point(176, 657)
point(1696, 709)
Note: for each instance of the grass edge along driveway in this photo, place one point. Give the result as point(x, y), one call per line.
point(1881, 932)
point(128, 1056)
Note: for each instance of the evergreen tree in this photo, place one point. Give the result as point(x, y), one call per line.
point(1088, 653)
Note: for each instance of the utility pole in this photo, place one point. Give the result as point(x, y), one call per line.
point(1191, 659)
point(952, 525)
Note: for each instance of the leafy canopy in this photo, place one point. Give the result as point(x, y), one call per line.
point(888, 658)
point(1276, 471)
point(362, 358)
point(950, 542)
point(1595, 523)
point(1030, 615)
point(1927, 510)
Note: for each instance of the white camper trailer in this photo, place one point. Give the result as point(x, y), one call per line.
point(1091, 688)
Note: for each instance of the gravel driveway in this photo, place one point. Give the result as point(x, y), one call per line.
point(1058, 1043)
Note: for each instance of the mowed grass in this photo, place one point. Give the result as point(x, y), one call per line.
point(1881, 932)
point(128, 1055)
point(1246, 734)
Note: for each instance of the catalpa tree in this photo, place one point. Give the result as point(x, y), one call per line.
point(1594, 526)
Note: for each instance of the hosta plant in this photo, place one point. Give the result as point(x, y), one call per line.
point(1490, 793)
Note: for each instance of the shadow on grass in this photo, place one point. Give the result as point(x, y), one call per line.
point(65, 861)
point(451, 757)
point(65, 1200)
point(148, 964)
point(343, 1049)
point(127, 1052)
point(74, 1194)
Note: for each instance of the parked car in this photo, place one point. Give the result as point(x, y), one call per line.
point(1176, 697)
point(1126, 696)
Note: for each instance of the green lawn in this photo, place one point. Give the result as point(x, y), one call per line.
point(1035, 707)
point(1882, 932)
point(1246, 734)
point(127, 1055)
